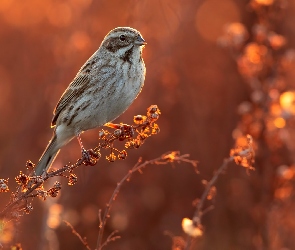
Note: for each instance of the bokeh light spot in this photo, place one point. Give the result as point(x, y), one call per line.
point(72, 216)
point(264, 2)
point(279, 122)
point(283, 192)
point(287, 101)
point(254, 52)
point(235, 34)
point(275, 109)
point(80, 40)
point(6, 232)
point(119, 220)
point(54, 219)
point(286, 172)
point(213, 15)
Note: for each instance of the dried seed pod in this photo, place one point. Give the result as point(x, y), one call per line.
point(22, 179)
point(4, 186)
point(73, 179)
point(111, 158)
point(122, 155)
point(117, 132)
point(30, 165)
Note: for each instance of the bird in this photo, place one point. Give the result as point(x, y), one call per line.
point(103, 89)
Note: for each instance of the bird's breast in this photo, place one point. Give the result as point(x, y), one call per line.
point(112, 90)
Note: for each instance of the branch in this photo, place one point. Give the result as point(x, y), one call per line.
point(166, 158)
point(83, 240)
point(31, 186)
point(243, 155)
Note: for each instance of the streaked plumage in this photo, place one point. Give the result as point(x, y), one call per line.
point(103, 89)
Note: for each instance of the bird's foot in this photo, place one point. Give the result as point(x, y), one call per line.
point(89, 157)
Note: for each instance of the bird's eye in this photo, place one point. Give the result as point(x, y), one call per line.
point(122, 38)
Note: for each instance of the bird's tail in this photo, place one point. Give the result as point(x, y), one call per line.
point(48, 156)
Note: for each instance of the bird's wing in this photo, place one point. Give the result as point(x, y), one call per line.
point(75, 89)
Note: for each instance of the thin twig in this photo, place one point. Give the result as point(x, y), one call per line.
point(110, 238)
point(243, 156)
point(163, 159)
point(199, 212)
point(83, 240)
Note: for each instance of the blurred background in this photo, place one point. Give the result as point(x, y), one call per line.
point(197, 75)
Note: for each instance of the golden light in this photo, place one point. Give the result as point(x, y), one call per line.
point(254, 52)
point(6, 232)
point(265, 2)
point(236, 29)
point(279, 122)
point(275, 110)
point(287, 101)
point(286, 172)
point(283, 192)
point(189, 228)
point(242, 141)
point(276, 41)
point(54, 219)
point(212, 15)
point(235, 34)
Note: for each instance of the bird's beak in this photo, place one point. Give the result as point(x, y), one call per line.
point(140, 41)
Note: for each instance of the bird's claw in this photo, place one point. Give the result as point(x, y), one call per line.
point(90, 157)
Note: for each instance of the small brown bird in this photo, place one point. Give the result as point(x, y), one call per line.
point(103, 89)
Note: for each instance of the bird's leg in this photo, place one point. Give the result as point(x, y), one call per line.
point(85, 153)
point(80, 142)
point(89, 157)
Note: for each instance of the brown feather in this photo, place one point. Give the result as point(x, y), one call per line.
point(76, 88)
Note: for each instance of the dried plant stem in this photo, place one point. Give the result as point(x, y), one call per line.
point(162, 160)
point(31, 185)
point(199, 212)
point(83, 240)
point(199, 209)
point(243, 157)
point(111, 237)
point(19, 197)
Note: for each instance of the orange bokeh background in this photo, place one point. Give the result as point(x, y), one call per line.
point(194, 82)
